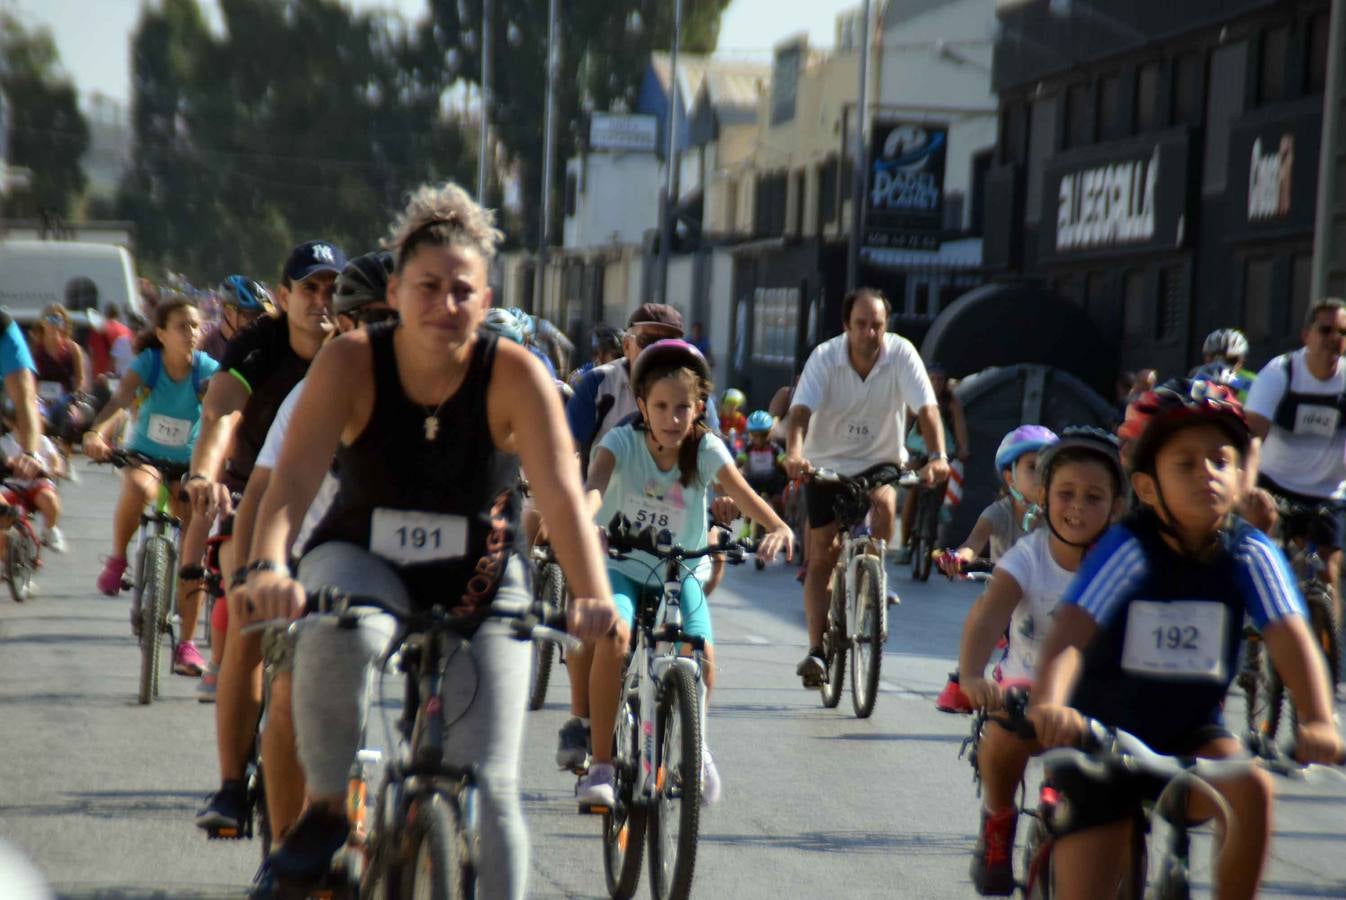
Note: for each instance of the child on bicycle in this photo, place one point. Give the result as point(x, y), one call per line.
point(1081, 493)
point(165, 383)
point(662, 467)
point(1147, 639)
point(760, 460)
point(1002, 523)
point(39, 494)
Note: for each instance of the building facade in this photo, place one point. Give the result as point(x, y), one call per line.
point(1157, 164)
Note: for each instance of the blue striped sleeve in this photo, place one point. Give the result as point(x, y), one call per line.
point(1108, 575)
point(1269, 590)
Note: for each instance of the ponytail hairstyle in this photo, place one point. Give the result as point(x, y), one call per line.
point(149, 338)
point(688, 471)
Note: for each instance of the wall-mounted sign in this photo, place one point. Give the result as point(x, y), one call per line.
point(611, 131)
point(1116, 198)
point(1273, 171)
point(904, 208)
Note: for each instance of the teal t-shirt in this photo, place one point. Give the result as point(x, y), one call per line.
point(650, 497)
point(169, 417)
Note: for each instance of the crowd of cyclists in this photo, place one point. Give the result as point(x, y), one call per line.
point(368, 424)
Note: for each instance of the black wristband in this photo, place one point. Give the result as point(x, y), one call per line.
point(268, 565)
point(239, 577)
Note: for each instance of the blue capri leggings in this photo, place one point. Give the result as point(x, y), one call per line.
point(695, 610)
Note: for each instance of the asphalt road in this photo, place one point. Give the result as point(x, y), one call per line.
point(99, 792)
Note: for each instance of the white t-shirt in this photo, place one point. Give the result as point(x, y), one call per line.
point(1310, 464)
point(269, 455)
point(47, 455)
point(857, 423)
point(1029, 562)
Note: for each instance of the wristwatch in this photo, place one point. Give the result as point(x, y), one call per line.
point(935, 456)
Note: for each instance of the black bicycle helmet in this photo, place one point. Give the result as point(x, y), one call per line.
point(364, 280)
point(1100, 445)
point(670, 353)
point(247, 294)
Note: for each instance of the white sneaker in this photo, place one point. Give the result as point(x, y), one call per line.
point(595, 788)
point(54, 539)
point(71, 473)
point(710, 780)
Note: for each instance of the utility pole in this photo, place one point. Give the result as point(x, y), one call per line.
point(548, 154)
point(670, 199)
point(484, 139)
point(860, 158)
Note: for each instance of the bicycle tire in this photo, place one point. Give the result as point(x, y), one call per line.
point(1037, 862)
point(624, 827)
point(1323, 623)
point(678, 780)
point(439, 862)
point(551, 590)
point(1255, 680)
point(926, 533)
point(834, 643)
point(867, 642)
point(20, 563)
point(154, 571)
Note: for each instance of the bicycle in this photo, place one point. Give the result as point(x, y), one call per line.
point(422, 839)
point(657, 764)
point(857, 617)
point(23, 550)
point(1264, 692)
point(924, 540)
point(155, 583)
point(1106, 752)
point(550, 590)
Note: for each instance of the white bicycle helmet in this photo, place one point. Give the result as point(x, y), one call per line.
point(1228, 343)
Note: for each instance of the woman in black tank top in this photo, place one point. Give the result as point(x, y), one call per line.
point(429, 421)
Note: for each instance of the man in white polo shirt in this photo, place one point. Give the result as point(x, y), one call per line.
point(852, 400)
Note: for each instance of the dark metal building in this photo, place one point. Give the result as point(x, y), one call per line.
point(1157, 164)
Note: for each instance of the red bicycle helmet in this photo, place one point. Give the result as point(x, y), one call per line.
point(1158, 414)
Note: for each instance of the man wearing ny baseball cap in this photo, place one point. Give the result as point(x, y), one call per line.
point(261, 365)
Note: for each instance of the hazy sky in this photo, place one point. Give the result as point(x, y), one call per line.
point(93, 35)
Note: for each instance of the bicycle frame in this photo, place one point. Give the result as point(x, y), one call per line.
point(855, 545)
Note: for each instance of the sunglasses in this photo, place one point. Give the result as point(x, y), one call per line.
point(54, 320)
point(1330, 331)
point(372, 316)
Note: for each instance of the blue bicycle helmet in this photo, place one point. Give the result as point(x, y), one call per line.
point(242, 292)
point(1024, 439)
point(505, 323)
point(760, 420)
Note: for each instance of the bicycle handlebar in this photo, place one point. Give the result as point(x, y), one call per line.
point(886, 474)
point(621, 539)
point(7, 471)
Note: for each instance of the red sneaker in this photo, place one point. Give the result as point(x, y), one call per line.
point(953, 700)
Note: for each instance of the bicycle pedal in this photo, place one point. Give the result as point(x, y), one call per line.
point(225, 834)
point(590, 809)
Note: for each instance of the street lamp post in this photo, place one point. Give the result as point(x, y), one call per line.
point(483, 139)
point(548, 155)
point(670, 200)
point(860, 157)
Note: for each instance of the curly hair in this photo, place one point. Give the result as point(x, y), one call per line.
point(443, 215)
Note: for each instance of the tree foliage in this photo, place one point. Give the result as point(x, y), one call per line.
point(48, 133)
point(605, 49)
point(301, 120)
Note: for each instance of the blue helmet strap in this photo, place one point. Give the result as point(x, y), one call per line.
point(1031, 509)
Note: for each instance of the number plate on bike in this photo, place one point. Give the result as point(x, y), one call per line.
point(1183, 639)
point(408, 537)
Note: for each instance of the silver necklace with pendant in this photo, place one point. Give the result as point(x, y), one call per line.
point(432, 420)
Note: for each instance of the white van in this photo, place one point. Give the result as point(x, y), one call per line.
point(77, 275)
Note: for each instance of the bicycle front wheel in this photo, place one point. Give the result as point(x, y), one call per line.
point(439, 860)
point(675, 815)
point(156, 589)
point(551, 590)
point(834, 642)
point(624, 825)
point(1323, 624)
point(20, 562)
point(867, 641)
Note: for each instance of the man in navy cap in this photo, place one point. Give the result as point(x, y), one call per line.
point(260, 366)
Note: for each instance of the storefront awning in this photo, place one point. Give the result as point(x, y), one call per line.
point(961, 254)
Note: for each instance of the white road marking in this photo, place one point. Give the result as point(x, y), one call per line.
point(756, 639)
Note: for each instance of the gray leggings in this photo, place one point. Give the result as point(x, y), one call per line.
point(485, 690)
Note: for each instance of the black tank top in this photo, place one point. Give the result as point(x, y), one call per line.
point(443, 512)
